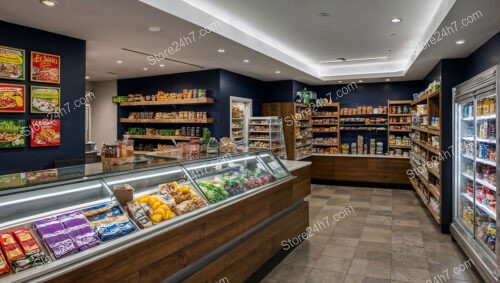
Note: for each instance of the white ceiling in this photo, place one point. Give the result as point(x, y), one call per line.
point(284, 37)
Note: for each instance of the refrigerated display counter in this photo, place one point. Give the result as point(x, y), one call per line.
point(217, 216)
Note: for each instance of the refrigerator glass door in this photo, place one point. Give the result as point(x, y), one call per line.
point(465, 163)
point(485, 171)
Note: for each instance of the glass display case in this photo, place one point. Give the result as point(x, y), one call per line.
point(72, 221)
point(267, 133)
point(475, 161)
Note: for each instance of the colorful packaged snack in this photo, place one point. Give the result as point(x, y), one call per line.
point(31, 260)
point(26, 241)
point(4, 266)
point(10, 247)
point(79, 230)
point(55, 236)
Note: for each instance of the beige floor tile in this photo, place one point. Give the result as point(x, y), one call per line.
point(301, 258)
point(370, 268)
point(408, 240)
point(290, 273)
point(410, 261)
point(322, 276)
point(404, 274)
point(345, 242)
point(407, 250)
point(330, 263)
point(339, 251)
point(379, 220)
point(362, 279)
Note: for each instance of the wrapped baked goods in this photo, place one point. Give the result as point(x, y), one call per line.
point(79, 230)
point(10, 247)
point(26, 241)
point(108, 221)
point(4, 266)
point(139, 215)
point(55, 237)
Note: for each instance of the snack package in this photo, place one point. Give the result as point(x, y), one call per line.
point(139, 215)
point(29, 261)
point(79, 230)
point(26, 241)
point(55, 236)
point(108, 221)
point(10, 247)
point(4, 266)
point(100, 209)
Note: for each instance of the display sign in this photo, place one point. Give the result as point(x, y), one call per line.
point(12, 63)
point(45, 132)
point(45, 68)
point(12, 98)
point(45, 99)
point(12, 133)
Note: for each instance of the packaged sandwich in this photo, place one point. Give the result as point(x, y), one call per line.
point(4, 266)
point(26, 241)
point(10, 247)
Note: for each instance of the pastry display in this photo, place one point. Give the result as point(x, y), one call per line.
point(227, 146)
point(153, 207)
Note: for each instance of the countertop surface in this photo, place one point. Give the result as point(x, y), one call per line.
point(293, 165)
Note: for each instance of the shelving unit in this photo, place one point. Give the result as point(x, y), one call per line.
point(169, 105)
point(326, 129)
point(272, 138)
point(425, 158)
point(240, 109)
point(399, 126)
point(297, 127)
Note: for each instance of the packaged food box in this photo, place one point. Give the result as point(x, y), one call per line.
point(10, 247)
point(26, 241)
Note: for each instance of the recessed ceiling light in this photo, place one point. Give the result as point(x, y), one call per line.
point(325, 14)
point(388, 51)
point(460, 42)
point(360, 81)
point(393, 34)
point(277, 72)
point(387, 80)
point(49, 3)
point(154, 28)
point(246, 61)
point(396, 20)
point(87, 77)
point(145, 69)
point(221, 50)
point(339, 82)
point(161, 65)
point(119, 62)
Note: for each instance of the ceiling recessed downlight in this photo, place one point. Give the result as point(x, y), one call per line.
point(49, 3)
point(246, 61)
point(339, 82)
point(145, 69)
point(393, 34)
point(460, 42)
point(387, 80)
point(154, 28)
point(388, 51)
point(396, 20)
point(221, 50)
point(360, 81)
point(87, 77)
point(325, 14)
point(119, 62)
point(161, 65)
point(277, 72)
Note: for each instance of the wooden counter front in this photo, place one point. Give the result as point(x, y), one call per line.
point(281, 208)
point(360, 169)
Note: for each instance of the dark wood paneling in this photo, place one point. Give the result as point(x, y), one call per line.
point(302, 183)
point(360, 169)
point(164, 255)
point(239, 263)
point(286, 111)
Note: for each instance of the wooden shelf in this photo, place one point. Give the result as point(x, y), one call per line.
point(170, 121)
point(399, 102)
point(315, 132)
point(421, 99)
point(399, 146)
point(426, 130)
point(399, 115)
point(204, 100)
point(336, 116)
point(301, 105)
point(325, 124)
point(158, 137)
point(399, 123)
point(434, 172)
point(357, 115)
point(434, 94)
point(400, 131)
point(330, 145)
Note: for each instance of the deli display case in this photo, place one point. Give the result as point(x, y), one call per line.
point(52, 229)
point(475, 175)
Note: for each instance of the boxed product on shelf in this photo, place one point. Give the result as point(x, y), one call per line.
point(108, 221)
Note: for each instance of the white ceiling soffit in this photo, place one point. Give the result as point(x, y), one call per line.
point(241, 24)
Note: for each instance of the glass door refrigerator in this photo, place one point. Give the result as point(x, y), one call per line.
point(474, 225)
point(241, 110)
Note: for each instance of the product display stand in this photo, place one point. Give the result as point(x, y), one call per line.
point(297, 127)
point(399, 122)
point(425, 154)
point(326, 129)
point(267, 133)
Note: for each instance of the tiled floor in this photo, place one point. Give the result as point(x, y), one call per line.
point(388, 238)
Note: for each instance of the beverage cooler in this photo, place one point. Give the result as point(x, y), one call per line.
point(475, 171)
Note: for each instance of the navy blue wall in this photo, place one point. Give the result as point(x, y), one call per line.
point(278, 91)
point(484, 57)
point(72, 52)
point(220, 85)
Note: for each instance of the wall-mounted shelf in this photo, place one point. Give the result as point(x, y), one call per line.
point(168, 121)
point(204, 100)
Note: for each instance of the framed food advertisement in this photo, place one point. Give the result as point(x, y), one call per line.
point(12, 98)
point(45, 68)
point(45, 132)
point(12, 133)
point(12, 63)
point(45, 99)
